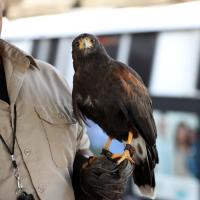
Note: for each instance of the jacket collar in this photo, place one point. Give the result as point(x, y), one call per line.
point(15, 54)
point(16, 63)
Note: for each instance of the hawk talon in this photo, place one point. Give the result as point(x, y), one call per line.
point(125, 156)
point(122, 157)
point(90, 160)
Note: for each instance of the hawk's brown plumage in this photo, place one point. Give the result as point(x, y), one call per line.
point(113, 95)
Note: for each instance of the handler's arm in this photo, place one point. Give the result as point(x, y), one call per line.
point(82, 155)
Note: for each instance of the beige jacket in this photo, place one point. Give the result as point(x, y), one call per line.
point(47, 134)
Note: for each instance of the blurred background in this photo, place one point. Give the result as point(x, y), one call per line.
point(160, 39)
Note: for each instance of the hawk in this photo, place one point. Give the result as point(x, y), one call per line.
point(113, 95)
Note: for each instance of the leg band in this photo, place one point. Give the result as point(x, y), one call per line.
point(130, 148)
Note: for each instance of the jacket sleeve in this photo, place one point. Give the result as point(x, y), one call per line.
point(81, 157)
point(83, 142)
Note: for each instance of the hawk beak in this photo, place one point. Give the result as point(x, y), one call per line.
point(85, 43)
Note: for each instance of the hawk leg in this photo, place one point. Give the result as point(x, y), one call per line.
point(108, 143)
point(126, 154)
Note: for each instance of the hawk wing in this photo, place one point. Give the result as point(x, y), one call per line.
point(135, 102)
point(76, 101)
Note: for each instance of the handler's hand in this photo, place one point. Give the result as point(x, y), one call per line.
point(102, 179)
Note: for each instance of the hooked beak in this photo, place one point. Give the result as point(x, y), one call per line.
point(85, 43)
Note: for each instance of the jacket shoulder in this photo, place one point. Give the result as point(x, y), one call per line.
point(51, 71)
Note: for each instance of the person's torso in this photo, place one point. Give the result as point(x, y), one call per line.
point(46, 133)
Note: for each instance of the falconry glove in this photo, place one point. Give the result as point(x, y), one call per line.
point(102, 179)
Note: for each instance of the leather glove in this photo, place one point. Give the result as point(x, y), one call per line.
point(102, 179)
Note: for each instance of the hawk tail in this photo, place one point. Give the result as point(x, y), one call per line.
point(144, 177)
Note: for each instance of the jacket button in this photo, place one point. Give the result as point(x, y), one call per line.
point(27, 152)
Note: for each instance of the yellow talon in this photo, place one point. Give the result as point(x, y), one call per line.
point(125, 156)
point(122, 157)
point(115, 156)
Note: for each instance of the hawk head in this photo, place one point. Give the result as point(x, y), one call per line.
point(85, 44)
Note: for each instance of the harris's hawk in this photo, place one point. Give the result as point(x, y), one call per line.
point(113, 95)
